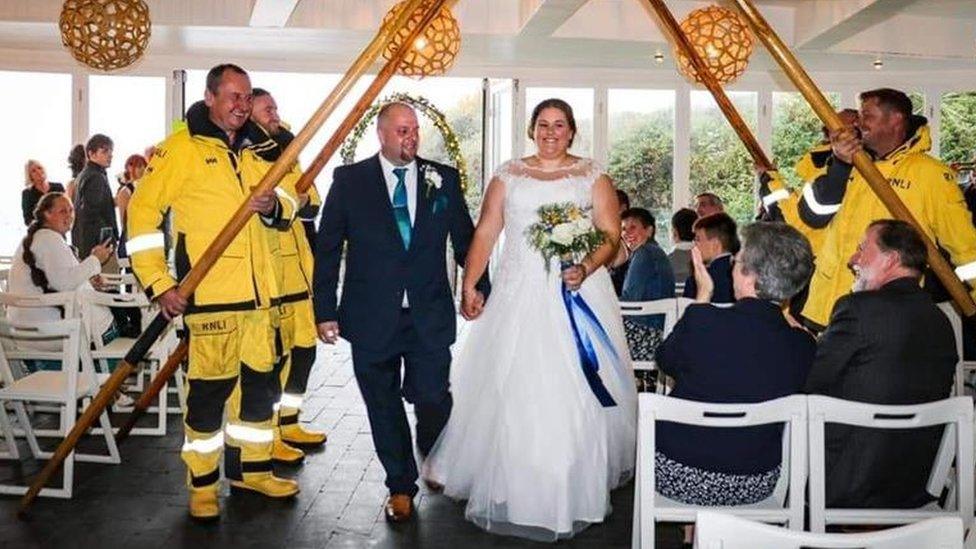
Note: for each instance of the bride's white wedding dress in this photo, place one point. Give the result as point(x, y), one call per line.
point(529, 445)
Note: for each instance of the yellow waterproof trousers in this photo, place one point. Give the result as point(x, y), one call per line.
point(231, 362)
point(298, 336)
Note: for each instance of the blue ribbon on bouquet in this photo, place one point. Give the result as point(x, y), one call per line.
point(586, 328)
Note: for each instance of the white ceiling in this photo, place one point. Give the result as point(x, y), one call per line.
point(829, 35)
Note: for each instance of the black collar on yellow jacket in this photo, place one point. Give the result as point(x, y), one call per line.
point(250, 136)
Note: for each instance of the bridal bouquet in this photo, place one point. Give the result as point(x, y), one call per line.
point(564, 230)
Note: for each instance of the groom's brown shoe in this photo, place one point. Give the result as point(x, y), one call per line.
point(399, 508)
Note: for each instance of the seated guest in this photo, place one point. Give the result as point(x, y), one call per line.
point(44, 263)
point(618, 267)
point(708, 203)
point(716, 241)
point(886, 343)
point(683, 237)
point(741, 354)
point(648, 278)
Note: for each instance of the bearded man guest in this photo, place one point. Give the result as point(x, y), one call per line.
point(887, 343)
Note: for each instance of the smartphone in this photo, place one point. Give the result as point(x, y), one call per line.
point(106, 235)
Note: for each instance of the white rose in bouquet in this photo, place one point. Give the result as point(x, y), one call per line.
point(583, 225)
point(564, 233)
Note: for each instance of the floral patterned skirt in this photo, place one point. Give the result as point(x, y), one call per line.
point(696, 486)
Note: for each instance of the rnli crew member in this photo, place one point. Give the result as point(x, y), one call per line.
point(297, 317)
point(202, 174)
point(782, 204)
point(842, 201)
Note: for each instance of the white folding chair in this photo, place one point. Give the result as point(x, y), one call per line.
point(74, 382)
point(667, 308)
point(785, 505)
point(120, 280)
point(119, 347)
point(715, 530)
point(959, 380)
point(67, 303)
point(956, 413)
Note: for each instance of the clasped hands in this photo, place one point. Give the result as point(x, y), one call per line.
point(472, 303)
point(703, 280)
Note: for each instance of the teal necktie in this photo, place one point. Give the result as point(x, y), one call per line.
point(400, 210)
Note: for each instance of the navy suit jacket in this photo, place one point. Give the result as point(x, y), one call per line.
point(357, 214)
point(744, 353)
point(721, 270)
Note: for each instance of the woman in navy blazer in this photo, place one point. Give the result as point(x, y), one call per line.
point(744, 353)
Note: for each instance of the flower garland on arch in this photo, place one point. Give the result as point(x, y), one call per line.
point(426, 108)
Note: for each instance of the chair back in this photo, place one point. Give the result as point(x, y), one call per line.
point(956, 413)
point(959, 385)
point(787, 501)
point(714, 530)
point(34, 341)
point(65, 300)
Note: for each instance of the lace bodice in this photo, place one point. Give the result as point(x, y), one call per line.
point(527, 188)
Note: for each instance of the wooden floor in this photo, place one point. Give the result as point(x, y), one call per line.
point(141, 503)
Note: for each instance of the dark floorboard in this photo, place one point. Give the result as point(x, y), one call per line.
point(141, 503)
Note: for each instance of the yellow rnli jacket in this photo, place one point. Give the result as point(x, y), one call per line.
point(294, 271)
point(202, 180)
point(809, 167)
point(928, 189)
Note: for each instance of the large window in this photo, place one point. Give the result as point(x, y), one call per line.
point(129, 109)
point(719, 162)
point(795, 130)
point(299, 95)
point(641, 156)
point(958, 140)
point(581, 100)
point(38, 122)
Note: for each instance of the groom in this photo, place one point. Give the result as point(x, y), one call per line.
point(394, 212)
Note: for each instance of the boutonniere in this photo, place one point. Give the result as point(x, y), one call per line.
point(432, 179)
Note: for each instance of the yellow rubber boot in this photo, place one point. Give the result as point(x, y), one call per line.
point(204, 504)
point(267, 484)
point(295, 434)
point(283, 453)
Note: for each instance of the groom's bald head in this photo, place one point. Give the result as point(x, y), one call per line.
point(399, 133)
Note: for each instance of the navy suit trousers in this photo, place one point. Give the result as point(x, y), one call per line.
point(424, 383)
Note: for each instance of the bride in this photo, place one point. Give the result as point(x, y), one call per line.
point(531, 444)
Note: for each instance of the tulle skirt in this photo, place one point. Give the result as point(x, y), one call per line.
point(528, 444)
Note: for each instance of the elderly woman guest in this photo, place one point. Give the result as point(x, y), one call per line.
point(744, 353)
point(44, 263)
point(37, 186)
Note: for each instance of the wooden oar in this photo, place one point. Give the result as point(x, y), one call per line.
point(862, 161)
point(216, 248)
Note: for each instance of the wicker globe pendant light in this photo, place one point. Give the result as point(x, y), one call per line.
point(105, 34)
point(433, 53)
point(721, 39)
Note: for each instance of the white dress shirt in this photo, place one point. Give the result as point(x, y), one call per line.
point(411, 183)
